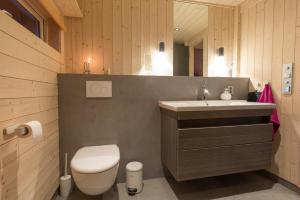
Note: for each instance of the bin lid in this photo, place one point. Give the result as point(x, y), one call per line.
point(134, 166)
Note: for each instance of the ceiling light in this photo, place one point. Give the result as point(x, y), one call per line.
point(177, 29)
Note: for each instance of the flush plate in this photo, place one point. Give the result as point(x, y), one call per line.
point(98, 89)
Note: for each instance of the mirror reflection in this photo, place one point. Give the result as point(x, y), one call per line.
point(203, 40)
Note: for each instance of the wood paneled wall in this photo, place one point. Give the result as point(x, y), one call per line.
point(120, 35)
point(221, 28)
point(28, 91)
point(270, 37)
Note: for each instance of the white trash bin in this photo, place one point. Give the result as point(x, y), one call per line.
point(134, 178)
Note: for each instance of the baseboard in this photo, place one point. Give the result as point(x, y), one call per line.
point(280, 180)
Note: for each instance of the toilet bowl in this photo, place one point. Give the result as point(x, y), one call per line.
point(95, 168)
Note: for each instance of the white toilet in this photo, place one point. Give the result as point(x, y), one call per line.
point(95, 168)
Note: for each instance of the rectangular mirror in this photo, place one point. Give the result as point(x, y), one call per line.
point(203, 40)
point(157, 38)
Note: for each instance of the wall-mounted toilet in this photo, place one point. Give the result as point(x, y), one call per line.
point(95, 168)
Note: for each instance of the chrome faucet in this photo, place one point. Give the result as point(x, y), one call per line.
point(205, 92)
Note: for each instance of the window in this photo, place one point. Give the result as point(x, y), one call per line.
point(23, 14)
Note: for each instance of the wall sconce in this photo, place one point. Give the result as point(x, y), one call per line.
point(87, 66)
point(161, 47)
point(221, 51)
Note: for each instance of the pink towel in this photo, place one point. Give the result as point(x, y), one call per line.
point(267, 97)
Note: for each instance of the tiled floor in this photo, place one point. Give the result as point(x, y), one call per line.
point(247, 186)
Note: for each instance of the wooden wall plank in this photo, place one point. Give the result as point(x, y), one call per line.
point(276, 43)
point(298, 14)
point(220, 34)
point(251, 43)
point(68, 46)
point(268, 41)
point(147, 21)
point(19, 50)
point(39, 158)
point(145, 34)
point(108, 34)
point(170, 30)
point(136, 36)
point(127, 37)
point(97, 37)
point(289, 39)
point(259, 41)
point(236, 42)
point(77, 43)
point(14, 108)
point(17, 88)
point(211, 36)
point(87, 25)
point(28, 91)
point(17, 31)
point(154, 42)
point(117, 37)
point(11, 67)
point(244, 44)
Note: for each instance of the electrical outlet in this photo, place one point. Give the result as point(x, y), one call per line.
point(287, 79)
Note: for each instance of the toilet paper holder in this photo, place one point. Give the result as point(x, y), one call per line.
point(16, 129)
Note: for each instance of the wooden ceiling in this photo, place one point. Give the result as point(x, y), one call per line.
point(218, 2)
point(191, 19)
point(69, 8)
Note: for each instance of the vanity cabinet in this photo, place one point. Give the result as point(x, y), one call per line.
point(198, 144)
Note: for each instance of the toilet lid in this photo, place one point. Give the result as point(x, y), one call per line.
point(95, 159)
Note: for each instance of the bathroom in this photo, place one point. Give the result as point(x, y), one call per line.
point(149, 99)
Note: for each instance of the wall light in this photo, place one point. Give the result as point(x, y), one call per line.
point(161, 47)
point(218, 68)
point(221, 51)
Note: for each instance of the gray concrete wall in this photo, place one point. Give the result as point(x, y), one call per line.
point(131, 118)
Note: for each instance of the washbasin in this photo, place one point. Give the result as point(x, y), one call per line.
point(213, 105)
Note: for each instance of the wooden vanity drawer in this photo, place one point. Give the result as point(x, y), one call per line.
point(224, 136)
point(206, 162)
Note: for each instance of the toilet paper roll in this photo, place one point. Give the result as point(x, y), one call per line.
point(35, 128)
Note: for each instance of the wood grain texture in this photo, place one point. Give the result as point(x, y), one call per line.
point(207, 162)
point(224, 136)
point(272, 26)
point(125, 35)
point(169, 143)
point(218, 2)
point(192, 153)
point(54, 12)
point(220, 34)
point(69, 8)
point(28, 91)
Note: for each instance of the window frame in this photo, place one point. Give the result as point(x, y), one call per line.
point(38, 17)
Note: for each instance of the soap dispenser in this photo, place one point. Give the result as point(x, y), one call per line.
point(226, 95)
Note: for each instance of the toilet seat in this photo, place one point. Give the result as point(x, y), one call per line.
point(95, 159)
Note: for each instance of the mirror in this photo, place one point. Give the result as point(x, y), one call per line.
point(136, 38)
point(203, 40)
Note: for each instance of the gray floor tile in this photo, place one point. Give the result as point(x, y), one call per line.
point(154, 189)
point(246, 186)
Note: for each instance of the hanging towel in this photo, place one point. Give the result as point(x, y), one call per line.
point(267, 97)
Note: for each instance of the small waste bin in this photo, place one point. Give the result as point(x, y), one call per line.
point(134, 177)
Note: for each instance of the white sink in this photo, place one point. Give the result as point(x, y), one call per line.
point(213, 105)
